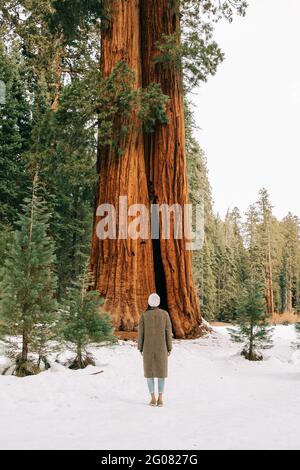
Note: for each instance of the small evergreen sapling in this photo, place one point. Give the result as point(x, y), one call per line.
point(28, 287)
point(253, 329)
point(82, 323)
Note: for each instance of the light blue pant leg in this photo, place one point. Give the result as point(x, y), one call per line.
point(161, 385)
point(151, 385)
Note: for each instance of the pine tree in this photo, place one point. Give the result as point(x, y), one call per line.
point(255, 253)
point(63, 150)
point(266, 218)
point(253, 330)
point(289, 264)
point(15, 128)
point(28, 286)
point(82, 323)
point(230, 265)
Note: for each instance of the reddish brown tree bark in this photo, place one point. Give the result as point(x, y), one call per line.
point(123, 269)
point(152, 168)
point(166, 163)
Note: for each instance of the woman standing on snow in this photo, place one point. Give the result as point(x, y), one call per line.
point(155, 344)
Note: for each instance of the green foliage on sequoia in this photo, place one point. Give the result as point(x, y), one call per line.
point(214, 9)
point(72, 16)
point(152, 107)
point(106, 105)
point(198, 56)
point(193, 47)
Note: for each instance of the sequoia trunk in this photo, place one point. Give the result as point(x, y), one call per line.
point(123, 269)
point(166, 163)
point(152, 168)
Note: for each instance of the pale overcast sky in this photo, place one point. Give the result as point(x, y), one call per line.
point(249, 114)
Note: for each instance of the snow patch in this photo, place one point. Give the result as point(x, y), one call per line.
point(215, 399)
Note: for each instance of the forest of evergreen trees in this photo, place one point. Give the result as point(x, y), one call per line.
point(55, 99)
point(243, 246)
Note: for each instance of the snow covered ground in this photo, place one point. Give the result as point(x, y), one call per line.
point(215, 400)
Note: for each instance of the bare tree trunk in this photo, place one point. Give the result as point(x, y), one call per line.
point(57, 73)
point(24, 356)
point(79, 357)
point(290, 288)
point(25, 332)
point(123, 269)
point(166, 166)
point(251, 352)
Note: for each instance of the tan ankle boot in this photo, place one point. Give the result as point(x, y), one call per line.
point(160, 402)
point(153, 401)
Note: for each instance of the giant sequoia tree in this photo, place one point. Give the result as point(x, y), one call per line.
point(152, 167)
point(150, 54)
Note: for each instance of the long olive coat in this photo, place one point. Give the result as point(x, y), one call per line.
point(155, 342)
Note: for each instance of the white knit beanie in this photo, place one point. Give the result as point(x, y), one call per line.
point(154, 300)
